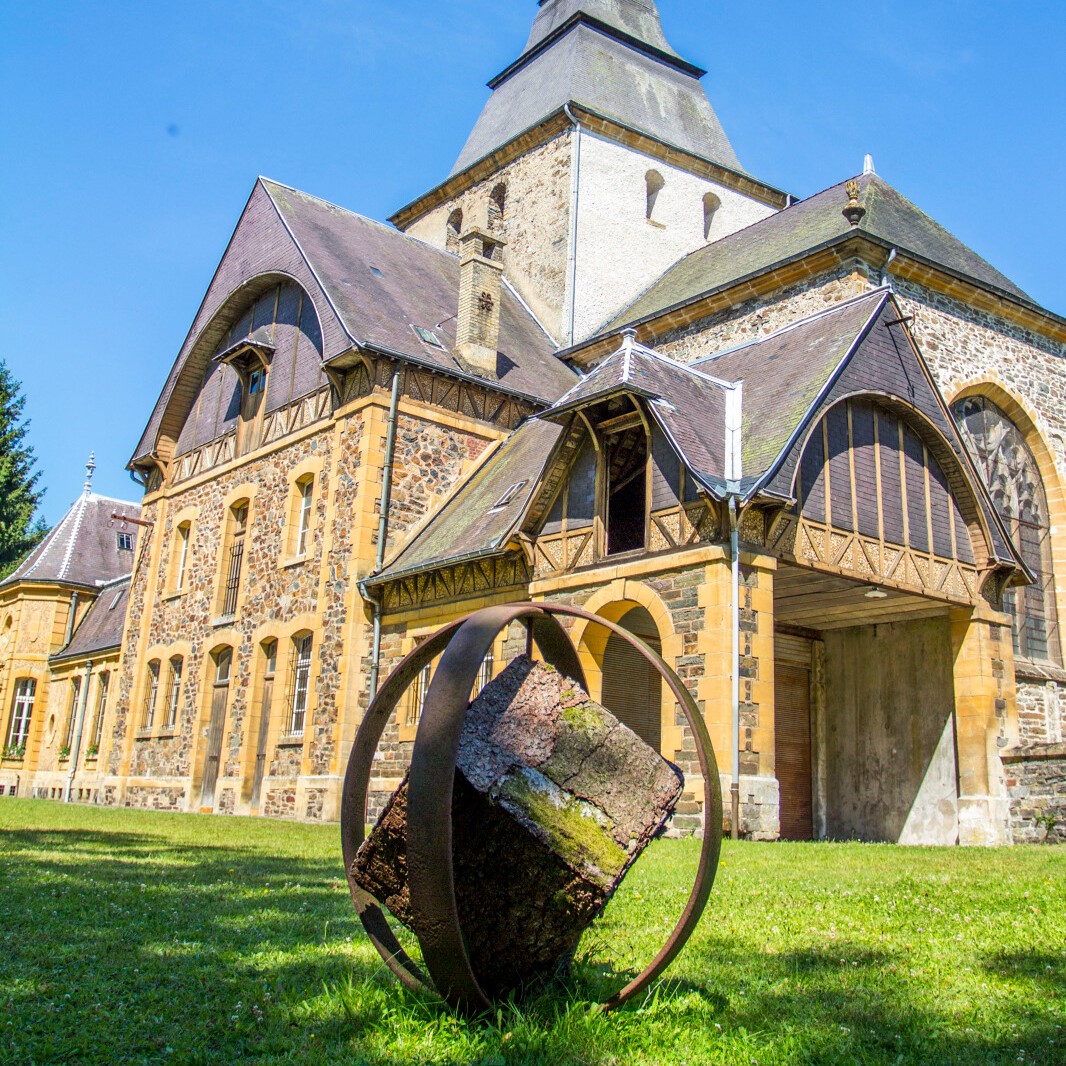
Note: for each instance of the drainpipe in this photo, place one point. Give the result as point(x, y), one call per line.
point(79, 727)
point(734, 420)
point(888, 262)
point(383, 527)
point(575, 201)
point(734, 562)
point(70, 620)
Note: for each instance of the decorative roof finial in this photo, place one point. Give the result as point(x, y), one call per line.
point(854, 212)
point(90, 469)
point(868, 164)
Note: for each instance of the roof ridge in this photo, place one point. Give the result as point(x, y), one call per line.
point(881, 290)
point(386, 226)
point(65, 564)
point(689, 368)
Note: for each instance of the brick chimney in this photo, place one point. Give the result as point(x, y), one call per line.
point(477, 335)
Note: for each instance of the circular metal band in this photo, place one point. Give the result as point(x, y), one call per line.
point(429, 841)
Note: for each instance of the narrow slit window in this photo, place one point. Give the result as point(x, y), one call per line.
point(301, 678)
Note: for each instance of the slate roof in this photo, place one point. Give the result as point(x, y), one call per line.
point(787, 380)
point(83, 548)
point(100, 630)
point(784, 372)
point(371, 285)
point(891, 219)
point(418, 284)
point(688, 403)
point(609, 77)
point(468, 524)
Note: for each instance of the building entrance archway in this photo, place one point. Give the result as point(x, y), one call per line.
point(632, 689)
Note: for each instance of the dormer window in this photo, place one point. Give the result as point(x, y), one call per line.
point(125, 542)
point(251, 360)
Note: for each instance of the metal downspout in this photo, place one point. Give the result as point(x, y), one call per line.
point(79, 727)
point(734, 561)
point(575, 202)
point(383, 526)
point(70, 620)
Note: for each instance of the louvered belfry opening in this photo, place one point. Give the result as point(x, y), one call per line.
point(627, 490)
point(632, 688)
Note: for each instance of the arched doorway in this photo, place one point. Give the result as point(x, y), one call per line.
point(632, 688)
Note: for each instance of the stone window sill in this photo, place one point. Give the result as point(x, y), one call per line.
point(170, 597)
point(223, 620)
point(167, 734)
point(292, 561)
point(12, 762)
point(291, 741)
point(1037, 670)
point(143, 734)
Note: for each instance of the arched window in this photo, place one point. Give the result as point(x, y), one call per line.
point(173, 691)
point(711, 203)
point(151, 696)
point(223, 669)
point(305, 489)
point(236, 534)
point(455, 229)
point(498, 206)
point(654, 181)
point(21, 713)
point(1017, 489)
point(299, 683)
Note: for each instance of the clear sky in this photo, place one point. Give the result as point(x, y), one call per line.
point(131, 133)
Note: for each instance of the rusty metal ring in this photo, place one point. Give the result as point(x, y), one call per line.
point(432, 773)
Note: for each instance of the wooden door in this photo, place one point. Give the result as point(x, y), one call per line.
point(215, 729)
point(632, 688)
point(792, 725)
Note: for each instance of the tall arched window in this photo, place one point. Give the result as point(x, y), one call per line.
point(655, 183)
point(455, 230)
point(1017, 489)
point(497, 206)
point(711, 203)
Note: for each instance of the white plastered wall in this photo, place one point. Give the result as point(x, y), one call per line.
point(619, 251)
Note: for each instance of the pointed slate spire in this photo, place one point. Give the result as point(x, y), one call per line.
point(611, 58)
point(638, 19)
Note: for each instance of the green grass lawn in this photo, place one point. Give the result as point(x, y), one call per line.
point(132, 937)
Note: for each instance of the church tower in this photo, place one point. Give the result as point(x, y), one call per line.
point(598, 138)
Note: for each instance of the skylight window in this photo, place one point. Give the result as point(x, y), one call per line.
point(376, 271)
point(427, 336)
point(114, 602)
point(509, 495)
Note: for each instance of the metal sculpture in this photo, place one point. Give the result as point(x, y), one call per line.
point(464, 645)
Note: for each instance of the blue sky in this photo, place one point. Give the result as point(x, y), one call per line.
point(132, 132)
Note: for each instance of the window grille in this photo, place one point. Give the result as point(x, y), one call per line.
point(150, 696)
point(236, 560)
point(301, 677)
point(174, 692)
point(419, 688)
point(484, 675)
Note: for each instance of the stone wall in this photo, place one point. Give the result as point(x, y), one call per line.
point(280, 596)
point(1036, 783)
point(535, 225)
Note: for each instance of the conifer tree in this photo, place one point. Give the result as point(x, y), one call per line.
point(19, 495)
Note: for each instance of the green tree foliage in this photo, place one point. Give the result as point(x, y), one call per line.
point(19, 495)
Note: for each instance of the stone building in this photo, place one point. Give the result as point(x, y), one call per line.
point(811, 450)
point(62, 614)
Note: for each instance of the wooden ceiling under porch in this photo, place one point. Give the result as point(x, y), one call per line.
point(817, 601)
